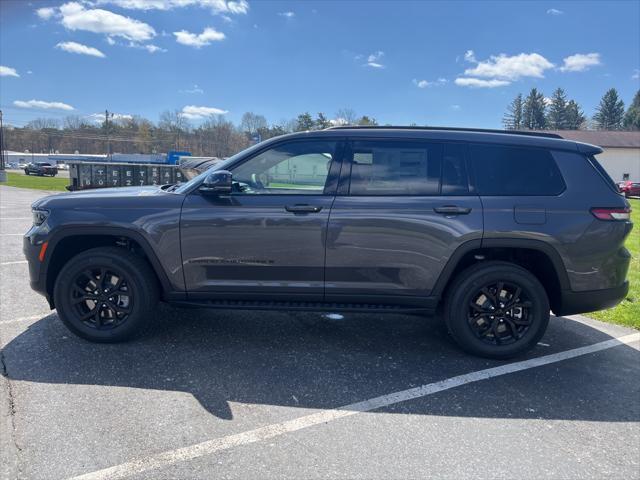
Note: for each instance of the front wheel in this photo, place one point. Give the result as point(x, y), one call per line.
point(106, 295)
point(496, 310)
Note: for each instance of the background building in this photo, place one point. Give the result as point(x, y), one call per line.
point(621, 156)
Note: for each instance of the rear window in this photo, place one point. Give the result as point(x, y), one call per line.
point(513, 171)
point(604, 174)
point(395, 168)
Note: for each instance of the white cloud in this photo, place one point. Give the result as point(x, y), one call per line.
point(8, 72)
point(153, 48)
point(40, 104)
point(287, 14)
point(470, 56)
point(634, 76)
point(76, 17)
point(149, 47)
point(426, 83)
point(73, 47)
point(45, 13)
point(580, 62)
point(509, 68)
point(554, 11)
point(193, 112)
point(111, 41)
point(198, 40)
point(547, 101)
point(99, 117)
point(455, 107)
point(373, 60)
point(238, 7)
point(192, 90)
point(480, 83)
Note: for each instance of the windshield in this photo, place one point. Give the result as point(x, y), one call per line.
point(185, 187)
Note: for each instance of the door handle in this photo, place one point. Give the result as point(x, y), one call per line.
point(452, 210)
point(302, 208)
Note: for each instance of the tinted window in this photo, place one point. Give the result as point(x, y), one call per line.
point(395, 168)
point(293, 168)
point(501, 170)
point(455, 180)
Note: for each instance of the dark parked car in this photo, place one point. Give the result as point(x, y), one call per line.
point(496, 228)
point(41, 168)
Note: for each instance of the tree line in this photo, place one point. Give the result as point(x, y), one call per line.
point(215, 136)
point(537, 112)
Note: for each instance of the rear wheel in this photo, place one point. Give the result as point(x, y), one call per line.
point(496, 310)
point(106, 294)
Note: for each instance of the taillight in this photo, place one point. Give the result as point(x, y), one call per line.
point(612, 214)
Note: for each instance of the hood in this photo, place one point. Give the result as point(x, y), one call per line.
point(99, 196)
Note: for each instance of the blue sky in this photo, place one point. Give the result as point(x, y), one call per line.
point(438, 63)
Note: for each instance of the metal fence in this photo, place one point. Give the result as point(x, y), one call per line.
point(84, 175)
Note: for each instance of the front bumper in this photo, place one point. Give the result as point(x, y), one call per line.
point(589, 301)
point(31, 246)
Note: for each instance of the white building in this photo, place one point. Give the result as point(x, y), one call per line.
point(621, 156)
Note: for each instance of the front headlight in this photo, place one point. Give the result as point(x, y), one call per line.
point(39, 216)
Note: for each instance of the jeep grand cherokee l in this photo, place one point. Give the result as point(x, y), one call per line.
point(497, 228)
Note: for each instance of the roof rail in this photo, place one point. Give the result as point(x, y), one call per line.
point(453, 129)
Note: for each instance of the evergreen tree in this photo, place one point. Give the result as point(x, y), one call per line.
point(610, 111)
point(322, 121)
point(534, 109)
point(512, 120)
point(632, 117)
point(557, 116)
point(574, 116)
point(304, 122)
point(365, 120)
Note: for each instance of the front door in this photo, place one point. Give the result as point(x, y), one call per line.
point(267, 239)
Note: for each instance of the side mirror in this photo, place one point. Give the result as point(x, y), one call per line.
point(217, 183)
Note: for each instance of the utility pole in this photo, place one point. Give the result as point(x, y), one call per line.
point(3, 173)
point(106, 125)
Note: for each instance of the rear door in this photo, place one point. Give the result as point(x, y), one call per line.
point(402, 209)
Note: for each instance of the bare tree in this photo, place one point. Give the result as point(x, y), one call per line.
point(251, 122)
point(347, 116)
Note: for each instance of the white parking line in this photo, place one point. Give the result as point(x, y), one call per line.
point(17, 262)
point(26, 319)
point(275, 430)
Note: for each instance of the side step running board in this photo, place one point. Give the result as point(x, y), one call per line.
point(300, 306)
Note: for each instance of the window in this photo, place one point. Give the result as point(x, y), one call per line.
point(395, 168)
point(455, 180)
point(295, 168)
point(502, 170)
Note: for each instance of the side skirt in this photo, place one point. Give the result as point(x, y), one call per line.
point(305, 306)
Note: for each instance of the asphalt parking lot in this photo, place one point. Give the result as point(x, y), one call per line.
point(227, 394)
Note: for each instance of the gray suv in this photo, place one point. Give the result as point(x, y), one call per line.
point(493, 229)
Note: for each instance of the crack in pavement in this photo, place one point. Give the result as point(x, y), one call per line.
point(11, 411)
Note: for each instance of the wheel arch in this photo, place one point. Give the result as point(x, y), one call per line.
point(70, 241)
point(538, 257)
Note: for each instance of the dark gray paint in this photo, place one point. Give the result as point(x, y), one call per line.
point(375, 246)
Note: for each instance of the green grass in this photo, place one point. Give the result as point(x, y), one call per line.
point(628, 311)
point(38, 183)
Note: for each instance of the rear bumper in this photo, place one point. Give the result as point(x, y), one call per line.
point(589, 301)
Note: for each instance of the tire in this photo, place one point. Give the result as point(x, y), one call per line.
point(124, 312)
point(496, 333)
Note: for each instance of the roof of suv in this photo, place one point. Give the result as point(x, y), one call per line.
point(505, 137)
